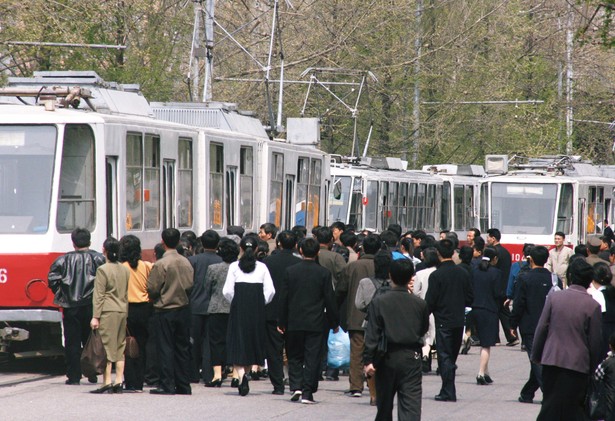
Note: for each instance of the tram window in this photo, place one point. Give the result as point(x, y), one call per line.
point(246, 186)
point(469, 208)
point(275, 193)
point(384, 208)
point(393, 202)
point(420, 196)
point(403, 205)
point(523, 208)
point(445, 208)
point(76, 201)
point(26, 173)
point(314, 193)
point(413, 204)
point(134, 181)
point(564, 210)
point(595, 210)
point(459, 203)
point(185, 186)
point(301, 199)
point(356, 203)
point(371, 216)
point(151, 170)
point(484, 206)
point(430, 208)
point(216, 185)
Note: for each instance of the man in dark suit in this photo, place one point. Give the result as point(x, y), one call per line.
point(449, 293)
point(306, 292)
point(277, 264)
point(199, 302)
point(504, 264)
point(404, 319)
point(529, 300)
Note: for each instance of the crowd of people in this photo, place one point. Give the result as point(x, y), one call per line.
point(242, 305)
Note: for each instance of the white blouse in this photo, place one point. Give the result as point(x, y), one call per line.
point(260, 274)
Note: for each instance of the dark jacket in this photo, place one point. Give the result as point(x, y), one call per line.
point(402, 316)
point(71, 277)
point(277, 264)
point(200, 296)
point(306, 292)
point(568, 334)
point(333, 261)
point(486, 286)
point(170, 281)
point(449, 293)
point(347, 288)
point(529, 300)
point(504, 264)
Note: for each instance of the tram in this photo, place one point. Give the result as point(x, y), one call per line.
point(373, 193)
point(76, 151)
point(529, 200)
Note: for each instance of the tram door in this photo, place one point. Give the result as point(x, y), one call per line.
point(289, 200)
point(168, 194)
point(112, 199)
point(231, 196)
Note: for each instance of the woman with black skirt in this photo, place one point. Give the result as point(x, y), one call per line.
point(248, 288)
point(219, 308)
point(486, 279)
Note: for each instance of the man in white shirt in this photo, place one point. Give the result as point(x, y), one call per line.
point(559, 257)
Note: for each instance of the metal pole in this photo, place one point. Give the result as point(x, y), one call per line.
point(569, 79)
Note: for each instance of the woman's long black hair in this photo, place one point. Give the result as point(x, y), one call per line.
point(112, 249)
point(130, 250)
point(247, 261)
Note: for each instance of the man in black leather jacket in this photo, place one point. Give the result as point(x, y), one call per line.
point(71, 278)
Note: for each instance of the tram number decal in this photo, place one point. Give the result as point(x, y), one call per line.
point(4, 275)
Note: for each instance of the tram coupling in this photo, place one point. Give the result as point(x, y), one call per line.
point(10, 334)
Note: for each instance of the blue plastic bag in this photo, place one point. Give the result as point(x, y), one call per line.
point(339, 349)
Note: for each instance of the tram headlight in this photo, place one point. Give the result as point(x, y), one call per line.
point(37, 290)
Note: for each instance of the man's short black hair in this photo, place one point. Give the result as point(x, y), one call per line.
point(228, 250)
point(389, 238)
point(170, 237)
point(495, 233)
point(81, 237)
point(210, 239)
point(419, 234)
point(300, 231)
point(382, 264)
point(476, 232)
point(324, 235)
point(309, 248)
point(560, 233)
point(372, 243)
point(269, 228)
point(401, 271)
point(339, 225)
point(446, 248)
point(287, 239)
point(237, 230)
point(539, 255)
point(580, 273)
point(396, 228)
point(348, 239)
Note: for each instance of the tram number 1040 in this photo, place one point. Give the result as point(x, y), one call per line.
point(4, 275)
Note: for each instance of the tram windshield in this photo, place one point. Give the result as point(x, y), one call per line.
point(523, 208)
point(26, 168)
point(340, 199)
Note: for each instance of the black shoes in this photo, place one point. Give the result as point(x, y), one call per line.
point(108, 388)
point(480, 380)
point(308, 399)
point(278, 392)
point(118, 388)
point(255, 375)
point(244, 387)
point(441, 398)
point(513, 342)
point(296, 396)
point(426, 364)
point(467, 344)
point(525, 400)
point(214, 383)
point(72, 382)
point(488, 379)
point(235, 382)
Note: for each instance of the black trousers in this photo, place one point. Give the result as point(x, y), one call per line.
point(76, 323)
point(563, 394)
point(448, 343)
point(275, 355)
point(504, 316)
point(137, 323)
point(152, 365)
point(217, 326)
point(200, 350)
point(174, 349)
point(303, 350)
point(534, 382)
point(401, 373)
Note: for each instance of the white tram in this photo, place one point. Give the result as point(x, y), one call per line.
point(115, 168)
point(373, 193)
point(529, 200)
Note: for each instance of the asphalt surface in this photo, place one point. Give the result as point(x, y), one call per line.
point(28, 393)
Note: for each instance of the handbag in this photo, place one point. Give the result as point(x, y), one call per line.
point(93, 357)
point(596, 400)
point(132, 347)
point(381, 350)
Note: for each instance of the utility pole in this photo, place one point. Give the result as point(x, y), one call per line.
point(209, 53)
point(416, 134)
point(569, 78)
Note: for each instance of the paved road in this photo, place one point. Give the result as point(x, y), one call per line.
point(49, 397)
